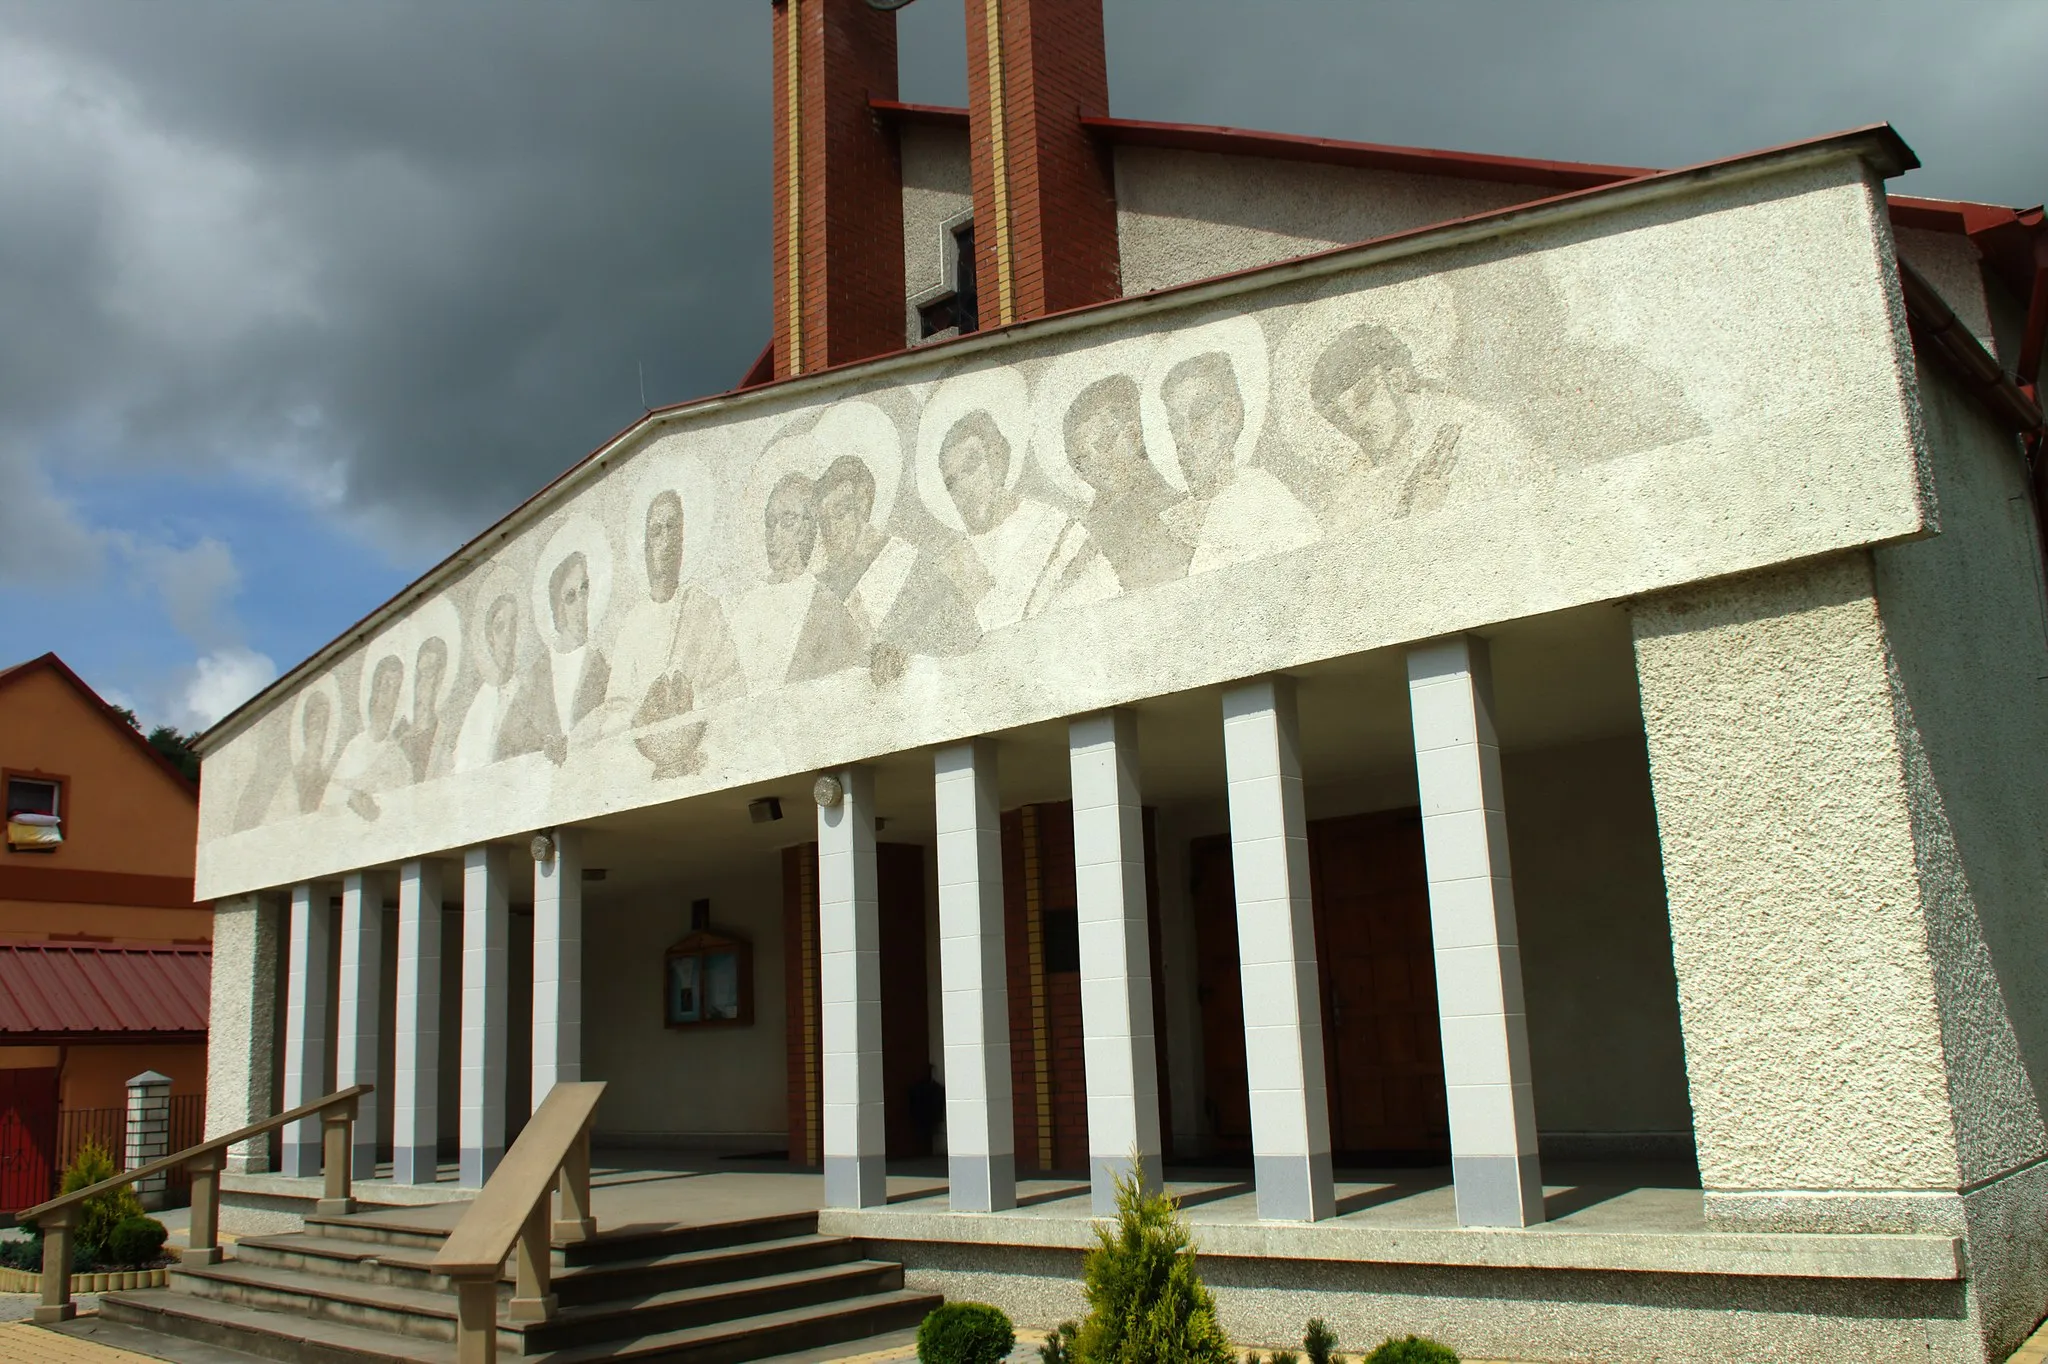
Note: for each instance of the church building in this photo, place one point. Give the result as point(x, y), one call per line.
point(1482, 717)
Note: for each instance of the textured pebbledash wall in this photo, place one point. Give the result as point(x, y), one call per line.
point(951, 542)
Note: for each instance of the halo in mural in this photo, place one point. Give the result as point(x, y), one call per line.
point(665, 467)
point(864, 431)
point(1241, 342)
point(556, 590)
point(317, 711)
point(495, 635)
point(1006, 399)
point(1059, 384)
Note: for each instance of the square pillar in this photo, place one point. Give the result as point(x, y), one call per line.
point(416, 1068)
point(359, 1027)
point(850, 991)
point(1116, 953)
point(242, 1035)
point(981, 1160)
point(1472, 929)
point(149, 1133)
point(486, 933)
point(306, 1007)
point(558, 965)
point(1276, 944)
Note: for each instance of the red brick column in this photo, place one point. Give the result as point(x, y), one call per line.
point(1044, 192)
point(841, 298)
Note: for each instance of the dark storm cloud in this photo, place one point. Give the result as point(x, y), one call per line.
point(408, 259)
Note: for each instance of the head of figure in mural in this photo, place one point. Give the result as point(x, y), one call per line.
point(1205, 412)
point(314, 719)
point(974, 460)
point(1106, 438)
point(664, 544)
point(387, 680)
point(1361, 385)
point(846, 499)
point(569, 601)
point(501, 634)
point(789, 527)
point(430, 665)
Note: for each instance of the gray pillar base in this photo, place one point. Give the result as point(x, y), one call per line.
point(333, 1207)
point(478, 1164)
point(855, 1182)
point(1498, 1191)
point(981, 1183)
point(1294, 1188)
point(415, 1165)
point(302, 1159)
point(1103, 1173)
point(363, 1161)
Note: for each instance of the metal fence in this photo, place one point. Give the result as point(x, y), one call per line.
point(108, 1127)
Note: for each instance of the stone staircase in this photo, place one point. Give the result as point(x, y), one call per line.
point(361, 1290)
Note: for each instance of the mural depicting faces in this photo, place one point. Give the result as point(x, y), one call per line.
point(846, 501)
point(316, 719)
point(789, 527)
point(974, 461)
point(1205, 412)
point(430, 667)
point(387, 680)
point(1361, 385)
point(501, 637)
point(1106, 438)
point(569, 600)
point(663, 544)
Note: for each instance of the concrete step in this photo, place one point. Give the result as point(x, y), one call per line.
point(429, 1314)
point(643, 1242)
point(383, 1228)
point(334, 1257)
point(313, 1340)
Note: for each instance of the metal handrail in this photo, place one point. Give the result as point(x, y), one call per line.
point(512, 1210)
point(57, 1218)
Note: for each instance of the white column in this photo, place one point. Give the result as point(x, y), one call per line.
point(1276, 945)
point(416, 1077)
point(359, 1024)
point(850, 991)
point(485, 947)
point(1472, 925)
point(306, 1005)
point(243, 1033)
point(1116, 957)
point(558, 965)
point(981, 1159)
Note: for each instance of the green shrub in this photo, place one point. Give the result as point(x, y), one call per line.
point(135, 1243)
point(100, 1214)
point(1283, 1357)
point(26, 1253)
point(964, 1333)
point(1251, 1357)
point(1412, 1350)
point(1146, 1303)
point(1318, 1341)
point(1058, 1346)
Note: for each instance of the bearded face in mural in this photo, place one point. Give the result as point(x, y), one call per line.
point(569, 598)
point(975, 463)
point(1362, 385)
point(386, 681)
point(1205, 412)
point(789, 528)
point(663, 545)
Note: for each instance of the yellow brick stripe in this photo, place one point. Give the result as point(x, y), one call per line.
point(22, 1343)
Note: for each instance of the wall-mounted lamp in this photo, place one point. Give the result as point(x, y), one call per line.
point(827, 792)
point(766, 810)
point(542, 848)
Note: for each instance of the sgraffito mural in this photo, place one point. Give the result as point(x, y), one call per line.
point(739, 568)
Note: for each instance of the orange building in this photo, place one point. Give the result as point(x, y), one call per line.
point(103, 954)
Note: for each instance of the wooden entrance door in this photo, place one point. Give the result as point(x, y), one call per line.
point(28, 1137)
point(1381, 1050)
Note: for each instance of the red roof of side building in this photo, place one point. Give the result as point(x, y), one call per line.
point(87, 991)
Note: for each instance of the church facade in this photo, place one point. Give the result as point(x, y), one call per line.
point(1439, 683)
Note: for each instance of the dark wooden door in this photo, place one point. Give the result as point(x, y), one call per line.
point(1382, 1054)
point(1385, 1055)
point(28, 1137)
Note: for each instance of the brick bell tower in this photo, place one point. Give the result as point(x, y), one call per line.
point(838, 235)
point(1044, 190)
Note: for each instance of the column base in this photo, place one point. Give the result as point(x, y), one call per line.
point(415, 1165)
point(363, 1161)
point(1294, 1188)
point(1105, 1171)
point(210, 1255)
point(334, 1207)
point(530, 1309)
point(580, 1229)
point(479, 1165)
point(1498, 1191)
point(46, 1315)
point(855, 1182)
point(981, 1183)
point(302, 1159)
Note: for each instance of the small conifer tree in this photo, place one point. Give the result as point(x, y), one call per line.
point(100, 1214)
point(1318, 1341)
point(1146, 1303)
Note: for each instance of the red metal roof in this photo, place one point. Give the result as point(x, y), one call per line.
point(73, 990)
